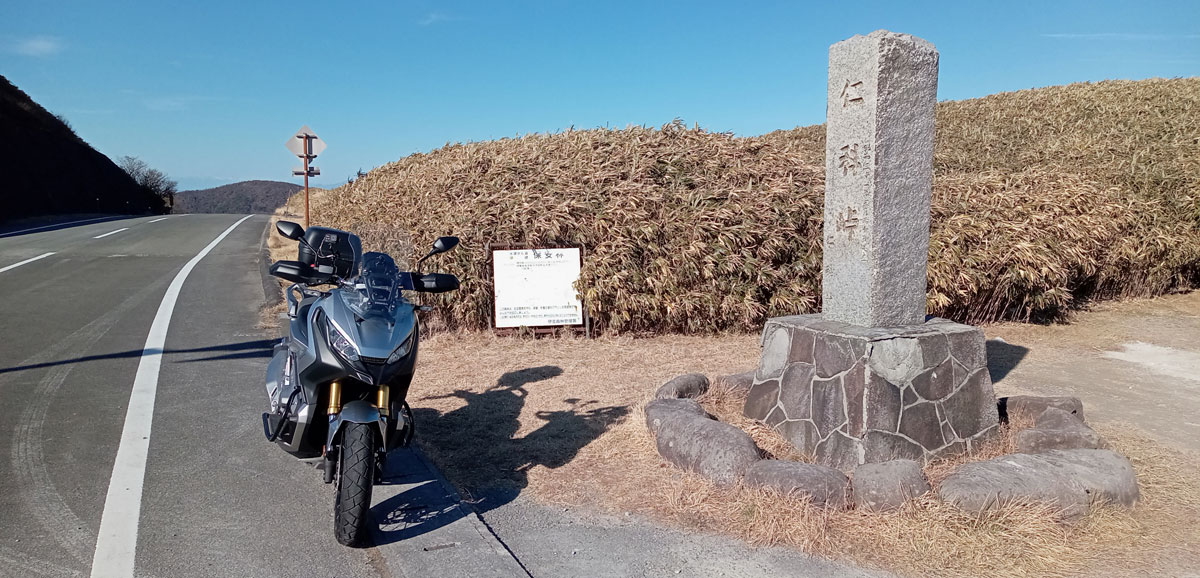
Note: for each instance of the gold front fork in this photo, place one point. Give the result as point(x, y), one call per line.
point(384, 399)
point(335, 398)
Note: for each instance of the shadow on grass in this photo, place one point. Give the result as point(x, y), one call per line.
point(477, 446)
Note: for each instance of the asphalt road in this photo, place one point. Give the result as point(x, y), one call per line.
point(79, 301)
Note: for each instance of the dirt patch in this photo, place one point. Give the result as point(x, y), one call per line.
point(514, 411)
point(561, 420)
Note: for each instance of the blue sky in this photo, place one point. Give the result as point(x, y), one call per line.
point(209, 91)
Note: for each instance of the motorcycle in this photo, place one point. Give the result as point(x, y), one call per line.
point(349, 357)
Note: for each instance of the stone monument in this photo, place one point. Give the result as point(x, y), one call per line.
point(870, 379)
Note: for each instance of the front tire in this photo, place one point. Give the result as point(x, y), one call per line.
point(356, 472)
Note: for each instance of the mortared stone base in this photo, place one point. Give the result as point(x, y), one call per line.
point(851, 395)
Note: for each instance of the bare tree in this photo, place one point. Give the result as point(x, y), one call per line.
point(152, 180)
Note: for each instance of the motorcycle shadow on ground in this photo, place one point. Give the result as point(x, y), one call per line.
point(479, 448)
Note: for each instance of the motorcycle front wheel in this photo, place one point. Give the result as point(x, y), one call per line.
point(356, 472)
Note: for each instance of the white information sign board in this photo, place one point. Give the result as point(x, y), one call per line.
point(535, 287)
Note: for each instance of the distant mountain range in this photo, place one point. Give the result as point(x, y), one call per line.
point(243, 197)
point(48, 169)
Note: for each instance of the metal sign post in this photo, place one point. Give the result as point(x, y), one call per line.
point(306, 145)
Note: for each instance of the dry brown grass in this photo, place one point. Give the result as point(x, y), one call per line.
point(1042, 200)
point(562, 418)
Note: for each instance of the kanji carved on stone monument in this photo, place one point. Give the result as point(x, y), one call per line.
point(851, 93)
point(870, 379)
point(848, 158)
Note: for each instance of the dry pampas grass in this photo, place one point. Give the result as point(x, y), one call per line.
point(1042, 199)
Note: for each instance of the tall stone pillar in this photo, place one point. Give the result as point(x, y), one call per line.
point(878, 175)
point(870, 379)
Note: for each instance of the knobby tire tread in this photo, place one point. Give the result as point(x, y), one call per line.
point(352, 510)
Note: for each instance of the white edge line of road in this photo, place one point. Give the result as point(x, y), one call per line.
point(5, 234)
point(116, 543)
point(15, 265)
point(111, 233)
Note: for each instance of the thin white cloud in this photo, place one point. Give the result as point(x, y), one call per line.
point(39, 46)
point(175, 103)
point(91, 111)
point(432, 18)
point(1119, 36)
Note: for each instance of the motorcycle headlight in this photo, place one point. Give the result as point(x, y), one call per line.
point(401, 351)
point(340, 343)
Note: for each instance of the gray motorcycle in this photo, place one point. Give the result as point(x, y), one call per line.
point(348, 358)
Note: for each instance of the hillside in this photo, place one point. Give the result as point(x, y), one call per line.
point(1043, 199)
point(48, 169)
point(243, 197)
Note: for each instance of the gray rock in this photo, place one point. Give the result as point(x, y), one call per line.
point(887, 485)
point(802, 346)
point(839, 452)
point(795, 391)
point(659, 410)
point(1055, 418)
point(1029, 407)
point(1057, 429)
point(691, 385)
point(937, 382)
point(801, 432)
point(883, 446)
point(1037, 440)
point(883, 403)
point(738, 381)
point(972, 409)
point(1069, 479)
point(832, 355)
point(826, 486)
point(777, 346)
point(920, 423)
point(828, 408)
point(715, 450)
point(761, 400)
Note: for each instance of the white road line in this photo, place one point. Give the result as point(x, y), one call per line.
point(111, 233)
point(116, 544)
point(3, 234)
point(15, 265)
point(161, 219)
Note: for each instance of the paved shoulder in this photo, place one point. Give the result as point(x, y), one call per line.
point(553, 542)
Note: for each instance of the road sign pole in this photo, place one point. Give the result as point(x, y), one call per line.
point(307, 152)
point(306, 145)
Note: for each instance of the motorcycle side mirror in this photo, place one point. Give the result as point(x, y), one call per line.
point(441, 245)
point(290, 230)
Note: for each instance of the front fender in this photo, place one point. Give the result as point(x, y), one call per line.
point(357, 411)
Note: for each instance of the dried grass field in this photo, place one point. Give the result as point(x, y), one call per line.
point(560, 420)
point(1042, 200)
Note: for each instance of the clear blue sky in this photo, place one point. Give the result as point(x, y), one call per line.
point(209, 91)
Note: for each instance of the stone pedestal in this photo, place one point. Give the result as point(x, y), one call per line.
point(851, 395)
